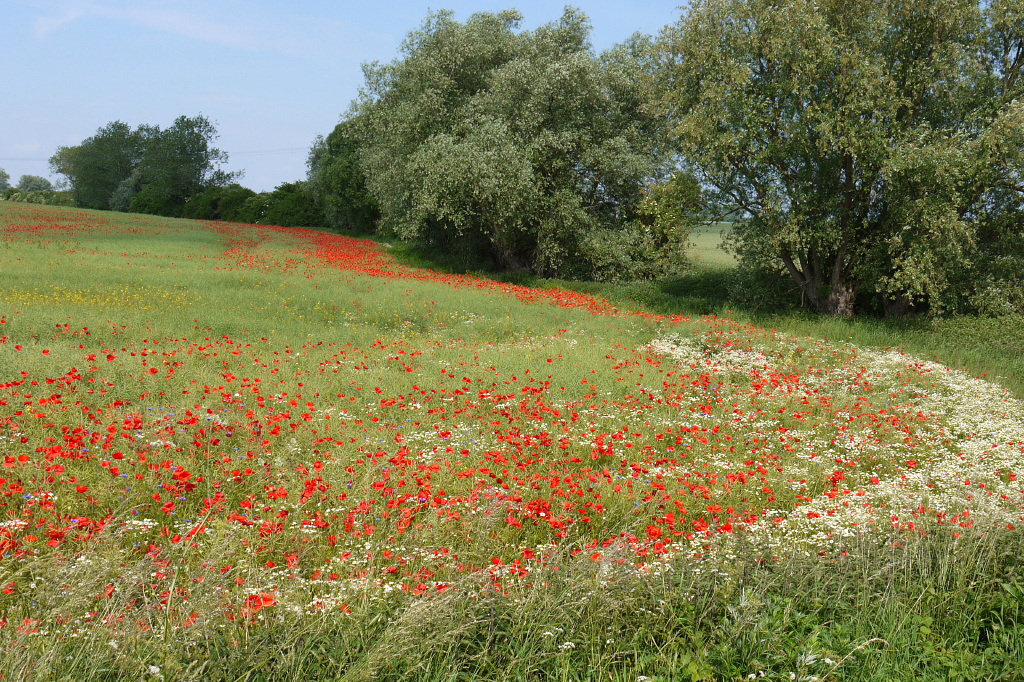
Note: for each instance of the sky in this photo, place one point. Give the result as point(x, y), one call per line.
point(270, 75)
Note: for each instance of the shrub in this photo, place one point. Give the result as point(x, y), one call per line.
point(289, 205)
point(219, 203)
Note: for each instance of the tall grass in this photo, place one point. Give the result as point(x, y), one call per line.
point(906, 608)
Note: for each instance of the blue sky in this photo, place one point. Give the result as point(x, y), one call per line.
point(271, 75)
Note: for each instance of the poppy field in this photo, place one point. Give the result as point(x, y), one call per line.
point(242, 451)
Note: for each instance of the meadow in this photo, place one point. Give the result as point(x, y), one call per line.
point(246, 452)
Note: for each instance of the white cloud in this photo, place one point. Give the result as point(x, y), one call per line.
point(45, 25)
point(311, 31)
point(173, 18)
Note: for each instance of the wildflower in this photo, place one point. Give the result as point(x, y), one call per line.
point(255, 603)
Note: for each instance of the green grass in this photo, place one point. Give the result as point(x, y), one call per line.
point(377, 418)
point(706, 251)
point(992, 348)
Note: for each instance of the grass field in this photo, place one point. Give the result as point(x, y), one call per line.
point(706, 251)
point(989, 348)
point(242, 452)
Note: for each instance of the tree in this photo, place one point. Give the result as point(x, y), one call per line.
point(147, 170)
point(290, 205)
point(99, 164)
point(870, 142)
point(220, 203)
point(33, 183)
point(337, 183)
point(526, 148)
point(5, 180)
point(178, 163)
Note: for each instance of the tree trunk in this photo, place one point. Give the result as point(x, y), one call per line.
point(898, 305)
point(510, 261)
point(843, 294)
point(840, 300)
point(805, 276)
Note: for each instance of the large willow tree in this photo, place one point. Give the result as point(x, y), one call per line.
point(873, 145)
point(523, 146)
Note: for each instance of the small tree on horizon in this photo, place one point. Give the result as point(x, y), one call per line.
point(34, 183)
point(146, 169)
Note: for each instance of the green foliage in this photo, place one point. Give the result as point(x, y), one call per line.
point(668, 211)
point(524, 146)
point(96, 167)
point(146, 170)
point(5, 179)
point(873, 146)
point(337, 183)
point(220, 203)
point(33, 183)
point(124, 193)
point(45, 197)
point(179, 163)
point(152, 200)
point(290, 205)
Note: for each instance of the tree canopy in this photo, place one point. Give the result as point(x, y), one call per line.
point(337, 182)
point(34, 183)
point(147, 170)
point(524, 146)
point(871, 143)
point(5, 180)
point(101, 162)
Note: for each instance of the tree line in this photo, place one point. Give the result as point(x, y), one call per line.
point(143, 170)
point(870, 152)
point(26, 183)
point(176, 172)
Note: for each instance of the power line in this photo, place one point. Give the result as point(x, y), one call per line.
point(270, 151)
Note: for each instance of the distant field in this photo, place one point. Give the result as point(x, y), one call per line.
point(707, 251)
point(244, 452)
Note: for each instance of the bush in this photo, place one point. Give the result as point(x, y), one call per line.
point(220, 203)
point(153, 200)
point(47, 197)
point(289, 205)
